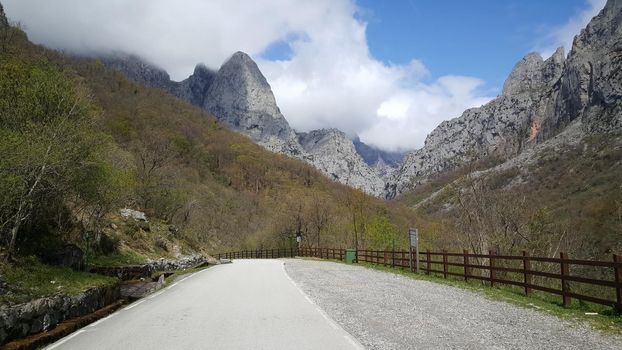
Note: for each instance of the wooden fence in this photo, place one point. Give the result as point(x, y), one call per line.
point(561, 276)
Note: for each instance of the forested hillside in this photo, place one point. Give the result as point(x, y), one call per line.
point(79, 142)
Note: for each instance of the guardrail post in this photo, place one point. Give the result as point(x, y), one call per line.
point(493, 273)
point(565, 270)
point(467, 269)
point(618, 278)
point(444, 263)
point(429, 263)
point(526, 275)
point(393, 258)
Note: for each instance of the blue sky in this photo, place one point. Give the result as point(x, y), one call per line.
point(388, 71)
point(481, 38)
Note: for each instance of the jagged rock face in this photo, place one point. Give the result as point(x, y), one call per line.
point(135, 68)
point(540, 98)
point(501, 128)
point(592, 84)
point(194, 89)
point(333, 153)
point(241, 98)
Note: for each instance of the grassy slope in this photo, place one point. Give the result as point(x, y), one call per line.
point(30, 279)
point(579, 188)
point(217, 187)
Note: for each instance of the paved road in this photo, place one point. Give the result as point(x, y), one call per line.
point(249, 304)
point(388, 311)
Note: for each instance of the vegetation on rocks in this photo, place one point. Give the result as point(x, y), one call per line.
point(80, 141)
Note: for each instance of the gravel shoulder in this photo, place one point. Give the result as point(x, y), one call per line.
point(388, 311)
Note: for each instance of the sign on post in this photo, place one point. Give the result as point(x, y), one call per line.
point(413, 237)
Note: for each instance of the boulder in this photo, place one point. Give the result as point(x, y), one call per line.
point(72, 256)
point(134, 214)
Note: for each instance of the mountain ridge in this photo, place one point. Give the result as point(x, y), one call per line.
point(241, 98)
point(540, 99)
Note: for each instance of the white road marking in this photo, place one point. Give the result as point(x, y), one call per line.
point(331, 322)
point(67, 338)
point(135, 304)
point(353, 342)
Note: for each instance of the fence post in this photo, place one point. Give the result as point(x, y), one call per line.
point(526, 274)
point(493, 273)
point(467, 270)
point(618, 278)
point(565, 270)
point(444, 263)
point(393, 257)
point(429, 263)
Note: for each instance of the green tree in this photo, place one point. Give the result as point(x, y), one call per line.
point(383, 234)
point(51, 150)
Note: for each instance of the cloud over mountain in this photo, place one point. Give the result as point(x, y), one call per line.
point(325, 76)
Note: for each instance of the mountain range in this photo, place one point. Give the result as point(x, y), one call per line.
point(540, 99)
point(240, 97)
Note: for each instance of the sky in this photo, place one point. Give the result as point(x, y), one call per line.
point(387, 71)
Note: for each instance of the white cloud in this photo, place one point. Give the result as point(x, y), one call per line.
point(564, 35)
point(330, 80)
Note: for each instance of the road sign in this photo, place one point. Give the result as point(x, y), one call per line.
point(413, 237)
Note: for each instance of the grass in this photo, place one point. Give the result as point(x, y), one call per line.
point(606, 321)
point(29, 279)
point(117, 259)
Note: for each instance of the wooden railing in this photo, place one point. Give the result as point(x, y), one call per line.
point(561, 276)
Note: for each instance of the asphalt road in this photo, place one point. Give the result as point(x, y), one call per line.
point(249, 304)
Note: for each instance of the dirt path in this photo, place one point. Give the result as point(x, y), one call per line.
point(388, 311)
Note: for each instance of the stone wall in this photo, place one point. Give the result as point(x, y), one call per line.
point(126, 273)
point(43, 314)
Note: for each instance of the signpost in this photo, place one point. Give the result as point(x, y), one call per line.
point(413, 238)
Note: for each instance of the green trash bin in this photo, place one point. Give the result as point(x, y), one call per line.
point(350, 256)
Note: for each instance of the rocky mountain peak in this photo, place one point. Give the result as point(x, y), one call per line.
point(138, 69)
point(334, 153)
point(241, 97)
point(592, 83)
point(524, 73)
point(532, 72)
point(321, 137)
point(540, 100)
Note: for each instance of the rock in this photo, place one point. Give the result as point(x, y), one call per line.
point(134, 214)
point(540, 99)
point(144, 225)
point(239, 96)
point(195, 88)
point(173, 229)
point(137, 69)
point(72, 256)
point(43, 314)
point(36, 325)
point(113, 226)
point(334, 154)
point(372, 155)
